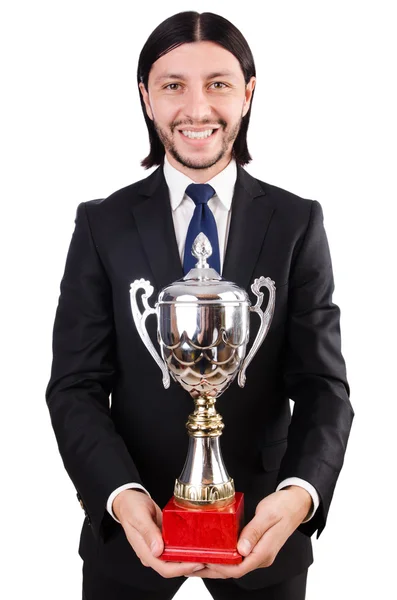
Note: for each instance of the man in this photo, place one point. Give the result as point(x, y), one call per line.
point(196, 77)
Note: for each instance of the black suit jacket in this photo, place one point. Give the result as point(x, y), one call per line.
point(140, 435)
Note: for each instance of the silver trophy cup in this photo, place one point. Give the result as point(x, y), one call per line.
point(203, 325)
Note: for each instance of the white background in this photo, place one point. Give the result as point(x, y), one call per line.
point(323, 126)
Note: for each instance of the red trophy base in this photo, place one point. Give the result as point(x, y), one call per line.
point(207, 535)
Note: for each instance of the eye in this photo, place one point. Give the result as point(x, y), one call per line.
point(171, 86)
point(218, 84)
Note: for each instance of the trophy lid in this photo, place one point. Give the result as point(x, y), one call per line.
point(202, 283)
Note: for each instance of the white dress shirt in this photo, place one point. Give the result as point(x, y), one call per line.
point(182, 211)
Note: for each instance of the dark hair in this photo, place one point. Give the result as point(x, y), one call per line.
point(187, 27)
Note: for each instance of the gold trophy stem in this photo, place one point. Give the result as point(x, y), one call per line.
point(204, 482)
point(205, 421)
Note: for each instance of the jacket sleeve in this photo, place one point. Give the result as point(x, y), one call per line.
point(83, 370)
point(315, 374)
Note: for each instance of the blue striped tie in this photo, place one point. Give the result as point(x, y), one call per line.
point(202, 221)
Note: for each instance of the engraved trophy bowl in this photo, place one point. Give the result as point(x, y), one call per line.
point(203, 325)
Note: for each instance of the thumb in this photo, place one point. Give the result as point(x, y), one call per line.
point(159, 516)
point(250, 536)
point(150, 532)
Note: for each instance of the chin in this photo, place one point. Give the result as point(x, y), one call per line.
point(197, 162)
point(203, 164)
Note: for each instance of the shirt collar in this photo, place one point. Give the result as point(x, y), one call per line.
point(223, 183)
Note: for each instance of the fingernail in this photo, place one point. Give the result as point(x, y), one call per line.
point(154, 547)
point(197, 568)
point(244, 547)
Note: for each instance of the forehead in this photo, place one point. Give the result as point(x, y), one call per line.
point(196, 59)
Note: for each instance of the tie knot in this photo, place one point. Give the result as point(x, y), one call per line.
point(200, 193)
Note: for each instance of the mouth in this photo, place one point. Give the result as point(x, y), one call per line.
point(198, 137)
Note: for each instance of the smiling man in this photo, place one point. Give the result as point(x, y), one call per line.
point(196, 77)
point(197, 98)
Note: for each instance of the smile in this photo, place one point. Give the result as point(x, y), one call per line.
point(198, 137)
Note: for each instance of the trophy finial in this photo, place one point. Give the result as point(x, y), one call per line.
point(201, 250)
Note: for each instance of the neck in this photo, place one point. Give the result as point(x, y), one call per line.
point(200, 175)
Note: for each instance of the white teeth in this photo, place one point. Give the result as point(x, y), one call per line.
point(197, 135)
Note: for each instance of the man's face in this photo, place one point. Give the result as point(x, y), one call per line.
point(197, 98)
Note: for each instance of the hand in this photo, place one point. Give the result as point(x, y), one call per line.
point(276, 518)
point(141, 519)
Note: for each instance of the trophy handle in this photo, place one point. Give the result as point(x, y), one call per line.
point(265, 317)
point(140, 318)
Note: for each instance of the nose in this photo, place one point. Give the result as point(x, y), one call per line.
point(196, 106)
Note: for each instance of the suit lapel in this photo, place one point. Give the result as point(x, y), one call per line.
point(250, 219)
point(153, 218)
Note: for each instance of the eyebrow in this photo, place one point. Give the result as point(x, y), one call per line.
point(181, 76)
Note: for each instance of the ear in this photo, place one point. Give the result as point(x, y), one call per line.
point(249, 89)
point(145, 97)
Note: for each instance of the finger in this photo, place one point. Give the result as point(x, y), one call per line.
point(271, 543)
point(207, 573)
point(254, 530)
point(218, 571)
point(148, 529)
point(262, 555)
point(165, 569)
